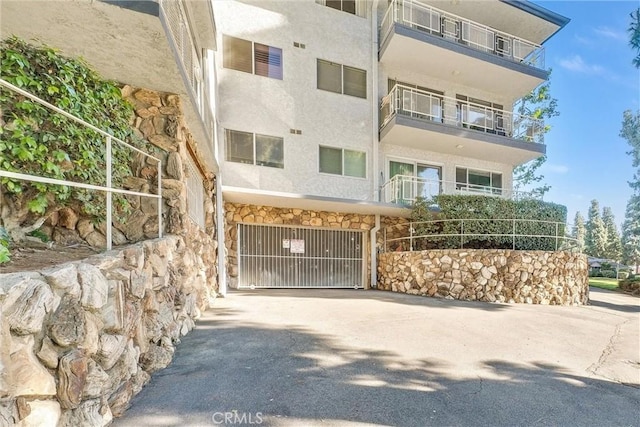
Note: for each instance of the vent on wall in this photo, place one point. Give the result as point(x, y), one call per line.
point(295, 131)
point(300, 45)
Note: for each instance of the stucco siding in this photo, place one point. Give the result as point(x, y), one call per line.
point(269, 106)
point(446, 161)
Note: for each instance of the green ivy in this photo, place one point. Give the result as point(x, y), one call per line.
point(491, 210)
point(4, 246)
point(34, 140)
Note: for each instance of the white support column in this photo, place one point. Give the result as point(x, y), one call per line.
point(222, 269)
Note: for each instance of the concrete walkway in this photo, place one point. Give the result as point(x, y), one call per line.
point(356, 358)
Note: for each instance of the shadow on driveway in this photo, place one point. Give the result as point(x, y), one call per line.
point(291, 375)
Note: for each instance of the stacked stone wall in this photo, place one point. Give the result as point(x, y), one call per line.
point(78, 340)
point(236, 213)
point(158, 120)
point(535, 277)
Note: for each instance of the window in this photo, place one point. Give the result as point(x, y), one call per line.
point(254, 149)
point(349, 6)
point(338, 161)
point(255, 58)
point(479, 114)
point(342, 79)
point(422, 103)
point(476, 181)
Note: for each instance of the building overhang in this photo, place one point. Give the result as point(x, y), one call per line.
point(541, 13)
point(311, 202)
point(458, 141)
point(405, 48)
point(123, 41)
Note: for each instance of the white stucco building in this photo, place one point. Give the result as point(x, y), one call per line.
point(359, 107)
point(321, 119)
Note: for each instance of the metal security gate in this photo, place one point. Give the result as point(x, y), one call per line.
point(295, 257)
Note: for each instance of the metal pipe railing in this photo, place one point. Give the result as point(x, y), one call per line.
point(429, 19)
point(428, 106)
point(405, 189)
point(453, 233)
point(109, 139)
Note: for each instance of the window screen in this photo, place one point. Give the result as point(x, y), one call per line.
point(239, 146)
point(331, 160)
point(355, 82)
point(269, 151)
point(355, 163)
point(329, 76)
point(237, 54)
point(268, 61)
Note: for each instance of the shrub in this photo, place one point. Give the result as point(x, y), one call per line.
point(595, 273)
point(630, 285)
point(492, 214)
point(610, 274)
point(623, 275)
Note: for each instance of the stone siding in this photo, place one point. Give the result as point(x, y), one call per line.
point(158, 120)
point(532, 277)
point(254, 214)
point(78, 340)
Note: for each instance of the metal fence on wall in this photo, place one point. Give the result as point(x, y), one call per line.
point(295, 257)
point(522, 234)
point(108, 188)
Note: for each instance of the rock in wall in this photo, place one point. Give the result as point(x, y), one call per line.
point(78, 340)
point(532, 277)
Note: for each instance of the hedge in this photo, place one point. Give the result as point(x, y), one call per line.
point(491, 210)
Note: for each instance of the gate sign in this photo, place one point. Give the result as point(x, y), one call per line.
point(297, 246)
point(286, 244)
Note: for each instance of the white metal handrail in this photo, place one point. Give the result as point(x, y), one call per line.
point(426, 18)
point(423, 105)
point(108, 188)
point(405, 189)
point(408, 233)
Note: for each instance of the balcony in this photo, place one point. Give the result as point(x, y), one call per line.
point(424, 120)
point(412, 34)
point(404, 190)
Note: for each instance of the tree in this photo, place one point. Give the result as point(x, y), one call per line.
point(578, 231)
point(631, 233)
point(613, 247)
point(634, 36)
point(595, 240)
point(538, 104)
point(631, 132)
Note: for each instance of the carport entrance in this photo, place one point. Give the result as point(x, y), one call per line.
point(271, 256)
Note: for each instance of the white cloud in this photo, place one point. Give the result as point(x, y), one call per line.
point(577, 64)
point(611, 33)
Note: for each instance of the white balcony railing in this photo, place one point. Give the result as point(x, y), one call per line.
point(422, 17)
point(405, 189)
point(422, 105)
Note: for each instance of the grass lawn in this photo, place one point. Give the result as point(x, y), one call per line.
point(604, 283)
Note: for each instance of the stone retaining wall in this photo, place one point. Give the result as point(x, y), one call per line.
point(159, 120)
point(78, 340)
point(532, 277)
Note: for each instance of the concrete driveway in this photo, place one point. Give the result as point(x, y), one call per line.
point(356, 358)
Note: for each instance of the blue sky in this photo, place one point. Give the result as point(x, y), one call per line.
point(594, 82)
